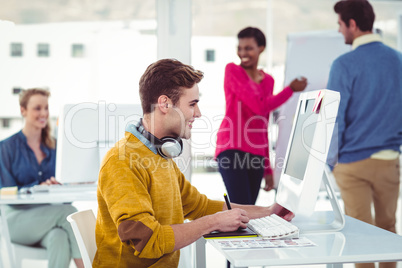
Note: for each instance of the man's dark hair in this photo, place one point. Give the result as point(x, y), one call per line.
point(166, 77)
point(255, 33)
point(360, 11)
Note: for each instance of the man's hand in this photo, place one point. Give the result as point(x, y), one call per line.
point(269, 182)
point(224, 221)
point(281, 212)
point(231, 220)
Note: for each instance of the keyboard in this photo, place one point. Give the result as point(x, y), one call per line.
point(273, 227)
point(64, 188)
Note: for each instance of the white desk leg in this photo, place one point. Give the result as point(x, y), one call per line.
point(1, 245)
point(200, 254)
point(334, 265)
point(6, 236)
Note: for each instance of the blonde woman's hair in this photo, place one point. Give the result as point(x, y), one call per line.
point(25, 95)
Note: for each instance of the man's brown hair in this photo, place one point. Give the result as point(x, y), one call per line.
point(360, 11)
point(166, 77)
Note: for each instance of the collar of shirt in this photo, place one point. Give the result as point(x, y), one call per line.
point(24, 140)
point(365, 39)
point(133, 130)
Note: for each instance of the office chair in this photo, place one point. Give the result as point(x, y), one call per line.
point(22, 253)
point(16, 252)
point(83, 224)
point(25, 252)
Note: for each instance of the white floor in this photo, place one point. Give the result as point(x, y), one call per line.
point(210, 184)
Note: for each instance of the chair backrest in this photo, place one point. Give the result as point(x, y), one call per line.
point(83, 224)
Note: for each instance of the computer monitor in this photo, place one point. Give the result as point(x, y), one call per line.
point(86, 131)
point(305, 160)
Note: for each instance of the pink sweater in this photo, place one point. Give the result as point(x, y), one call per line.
point(248, 104)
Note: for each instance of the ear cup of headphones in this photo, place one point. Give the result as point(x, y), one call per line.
point(170, 147)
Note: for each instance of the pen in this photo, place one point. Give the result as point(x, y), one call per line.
point(227, 201)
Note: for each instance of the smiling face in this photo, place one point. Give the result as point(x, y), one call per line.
point(184, 112)
point(36, 112)
point(249, 52)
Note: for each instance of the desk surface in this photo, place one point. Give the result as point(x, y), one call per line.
point(36, 198)
point(357, 242)
point(40, 198)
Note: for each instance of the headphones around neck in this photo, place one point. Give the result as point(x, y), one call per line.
point(167, 147)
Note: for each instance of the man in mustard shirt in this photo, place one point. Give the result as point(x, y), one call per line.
point(143, 198)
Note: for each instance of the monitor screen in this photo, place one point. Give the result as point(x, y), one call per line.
point(86, 131)
point(302, 142)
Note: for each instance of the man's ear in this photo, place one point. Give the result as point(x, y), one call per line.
point(23, 111)
point(352, 25)
point(163, 103)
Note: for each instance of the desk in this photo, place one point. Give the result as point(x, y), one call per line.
point(37, 198)
point(357, 242)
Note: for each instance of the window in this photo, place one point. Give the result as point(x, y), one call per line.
point(6, 123)
point(210, 55)
point(77, 51)
point(16, 49)
point(43, 50)
point(17, 90)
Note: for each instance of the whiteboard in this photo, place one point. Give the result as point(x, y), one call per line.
point(309, 54)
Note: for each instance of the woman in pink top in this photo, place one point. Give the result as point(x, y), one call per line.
point(242, 139)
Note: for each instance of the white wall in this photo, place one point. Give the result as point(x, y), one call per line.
point(115, 57)
point(212, 99)
point(117, 54)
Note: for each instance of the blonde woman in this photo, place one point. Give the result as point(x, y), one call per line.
point(28, 158)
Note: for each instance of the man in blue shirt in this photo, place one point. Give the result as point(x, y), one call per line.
point(365, 149)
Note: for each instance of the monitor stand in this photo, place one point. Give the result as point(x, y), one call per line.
point(323, 221)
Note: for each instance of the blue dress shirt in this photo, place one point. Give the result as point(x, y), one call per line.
point(18, 163)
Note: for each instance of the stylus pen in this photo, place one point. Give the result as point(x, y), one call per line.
point(227, 201)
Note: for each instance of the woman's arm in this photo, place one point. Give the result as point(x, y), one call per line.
point(261, 102)
point(6, 177)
